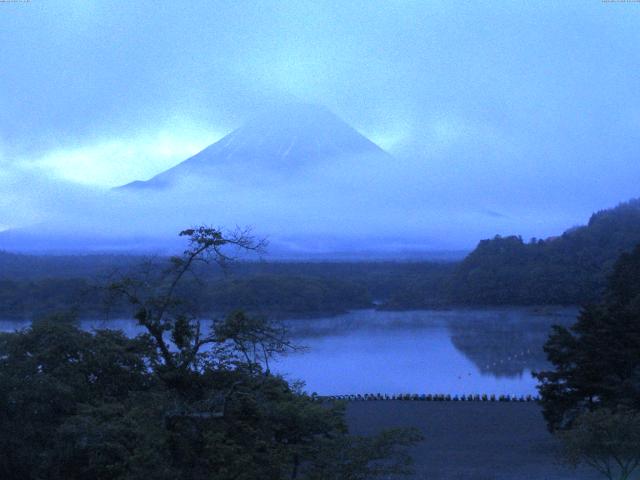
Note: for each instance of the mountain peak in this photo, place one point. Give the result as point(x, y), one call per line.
point(286, 136)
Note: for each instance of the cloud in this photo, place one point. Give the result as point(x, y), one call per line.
point(516, 108)
point(116, 161)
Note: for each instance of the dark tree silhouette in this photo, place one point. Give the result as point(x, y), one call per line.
point(597, 361)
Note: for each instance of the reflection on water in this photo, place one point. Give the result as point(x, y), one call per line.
point(455, 351)
point(507, 343)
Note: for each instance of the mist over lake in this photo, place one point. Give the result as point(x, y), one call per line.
point(456, 352)
point(450, 352)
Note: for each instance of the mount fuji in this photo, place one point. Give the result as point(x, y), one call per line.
point(282, 140)
point(297, 174)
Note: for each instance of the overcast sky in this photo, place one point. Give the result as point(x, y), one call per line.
point(511, 105)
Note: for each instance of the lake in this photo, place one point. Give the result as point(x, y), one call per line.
point(461, 351)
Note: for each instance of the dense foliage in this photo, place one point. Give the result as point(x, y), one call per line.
point(176, 402)
point(571, 269)
point(592, 395)
point(597, 361)
point(78, 405)
point(606, 440)
point(280, 289)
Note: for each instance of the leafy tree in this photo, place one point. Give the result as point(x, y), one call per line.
point(591, 399)
point(250, 341)
point(605, 440)
point(161, 309)
point(46, 373)
point(596, 362)
point(175, 402)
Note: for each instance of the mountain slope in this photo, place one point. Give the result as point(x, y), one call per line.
point(281, 139)
point(297, 174)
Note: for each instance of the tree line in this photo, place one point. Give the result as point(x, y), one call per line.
point(571, 269)
point(567, 270)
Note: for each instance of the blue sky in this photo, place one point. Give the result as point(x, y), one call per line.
point(509, 108)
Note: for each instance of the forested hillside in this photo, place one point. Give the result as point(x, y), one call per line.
point(570, 269)
point(34, 285)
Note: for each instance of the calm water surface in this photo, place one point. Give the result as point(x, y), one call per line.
point(457, 351)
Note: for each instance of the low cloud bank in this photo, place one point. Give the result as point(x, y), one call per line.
point(350, 204)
